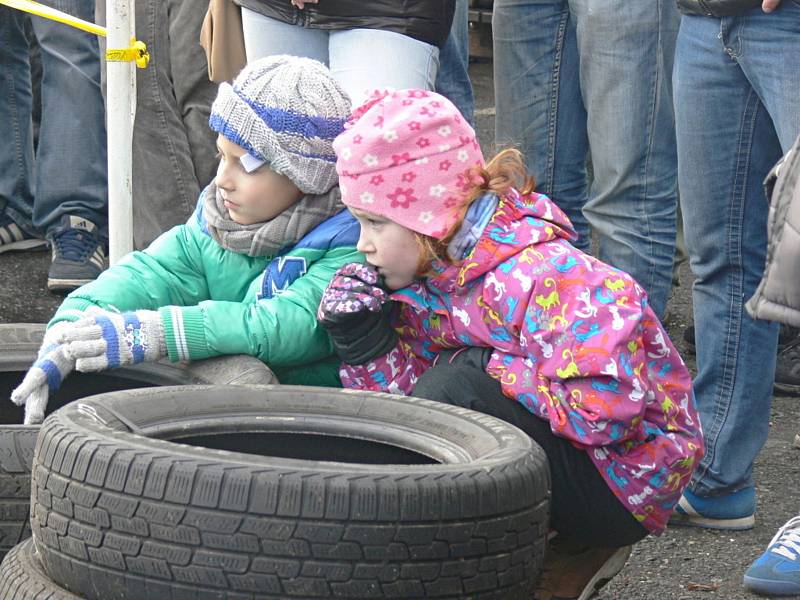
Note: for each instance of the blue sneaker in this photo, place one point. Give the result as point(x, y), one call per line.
point(777, 571)
point(12, 237)
point(78, 255)
point(735, 511)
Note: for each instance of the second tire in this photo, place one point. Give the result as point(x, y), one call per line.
point(19, 343)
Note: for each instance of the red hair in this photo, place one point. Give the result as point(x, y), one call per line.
point(504, 172)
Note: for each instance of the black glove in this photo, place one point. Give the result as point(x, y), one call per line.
point(355, 310)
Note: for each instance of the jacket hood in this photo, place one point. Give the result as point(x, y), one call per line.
point(519, 222)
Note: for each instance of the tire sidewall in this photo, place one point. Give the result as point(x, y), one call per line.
point(487, 505)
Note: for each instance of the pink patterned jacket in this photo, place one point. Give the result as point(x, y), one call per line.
point(575, 342)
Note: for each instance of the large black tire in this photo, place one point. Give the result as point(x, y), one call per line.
point(274, 499)
point(23, 578)
point(19, 344)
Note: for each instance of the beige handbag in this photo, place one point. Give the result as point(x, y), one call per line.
point(223, 41)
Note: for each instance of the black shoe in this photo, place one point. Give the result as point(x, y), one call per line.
point(787, 369)
point(78, 255)
point(787, 336)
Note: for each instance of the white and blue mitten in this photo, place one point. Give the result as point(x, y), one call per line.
point(45, 376)
point(107, 340)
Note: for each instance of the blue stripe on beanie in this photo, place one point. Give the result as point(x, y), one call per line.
point(220, 125)
point(287, 121)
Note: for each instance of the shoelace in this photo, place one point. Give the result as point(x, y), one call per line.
point(75, 245)
point(788, 336)
point(792, 350)
point(787, 541)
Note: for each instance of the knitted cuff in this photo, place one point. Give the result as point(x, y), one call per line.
point(184, 333)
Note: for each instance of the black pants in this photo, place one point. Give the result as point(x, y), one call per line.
point(582, 507)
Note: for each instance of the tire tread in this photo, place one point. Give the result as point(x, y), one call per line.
point(182, 525)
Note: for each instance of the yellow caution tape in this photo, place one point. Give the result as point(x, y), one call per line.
point(136, 52)
point(41, 10)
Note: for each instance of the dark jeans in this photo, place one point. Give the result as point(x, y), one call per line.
point(582, 505)
point(173, 146)
point(452, 79)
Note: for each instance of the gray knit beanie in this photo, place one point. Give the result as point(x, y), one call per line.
point(285, 110)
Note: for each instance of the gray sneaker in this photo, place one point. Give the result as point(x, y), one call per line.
point(12, 237)
point(78, 256)
point(787, 366)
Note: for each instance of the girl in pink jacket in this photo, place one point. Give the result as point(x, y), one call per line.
point(473, 295)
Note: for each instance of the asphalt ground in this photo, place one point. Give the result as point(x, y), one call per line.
point(681, 564)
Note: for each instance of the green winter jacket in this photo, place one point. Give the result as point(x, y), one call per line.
point(214, 302)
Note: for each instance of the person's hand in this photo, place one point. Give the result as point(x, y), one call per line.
point(301, 4)
point(45, 375)
point(106, 340)
point(354, 289)
point(769, 5)
point(355, 311)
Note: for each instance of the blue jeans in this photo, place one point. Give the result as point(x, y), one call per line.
point(736, 87)
point(360, 60)
point(452, 80)
point(68, 174)
point(580, 77)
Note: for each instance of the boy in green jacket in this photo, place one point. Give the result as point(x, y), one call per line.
point(246, 273)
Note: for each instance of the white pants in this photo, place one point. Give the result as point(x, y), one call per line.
point(361, 60)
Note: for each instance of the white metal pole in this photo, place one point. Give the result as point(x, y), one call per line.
point(121, 108)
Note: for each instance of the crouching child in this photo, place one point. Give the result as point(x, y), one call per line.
point(473, 295)
point(246, 273)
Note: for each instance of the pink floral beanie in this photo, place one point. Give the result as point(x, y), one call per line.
point(405, 155)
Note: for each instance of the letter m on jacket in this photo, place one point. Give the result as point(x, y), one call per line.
point(281, 273)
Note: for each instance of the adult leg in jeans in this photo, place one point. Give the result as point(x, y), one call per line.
point(264, 36)
point(16, 151)
point(735, 86)
point(452, 80)
point(173, 147)
point(393, 61)
point(583, 507)
point(71, 164)
point(626, 56)
point(556, 57)
point(538, 99)
point(357, 71)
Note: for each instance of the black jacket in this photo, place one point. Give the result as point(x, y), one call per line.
point(716, 8)
point(425, 20)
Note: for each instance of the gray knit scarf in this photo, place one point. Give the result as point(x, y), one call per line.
point(268, 238)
